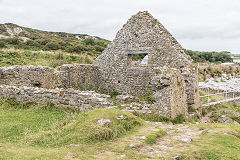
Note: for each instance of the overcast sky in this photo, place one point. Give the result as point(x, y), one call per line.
point(204, 25)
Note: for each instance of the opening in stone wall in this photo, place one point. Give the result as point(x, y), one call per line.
point(37, 84)
point(138, 59)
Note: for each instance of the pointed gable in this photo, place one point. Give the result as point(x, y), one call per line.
point(142, 34)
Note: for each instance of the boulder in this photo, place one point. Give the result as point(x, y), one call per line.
point(104, 122)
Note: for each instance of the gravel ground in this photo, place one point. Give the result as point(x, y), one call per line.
point(228, 85)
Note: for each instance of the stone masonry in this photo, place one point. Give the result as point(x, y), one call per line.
point(142, 34)
point(168, 74)
point(83, 100)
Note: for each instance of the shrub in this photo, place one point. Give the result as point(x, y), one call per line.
point(89, 41)
point(52, 46)
point(179, 119)
point(2, 44)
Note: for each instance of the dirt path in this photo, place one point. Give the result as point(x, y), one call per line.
point(179, 138)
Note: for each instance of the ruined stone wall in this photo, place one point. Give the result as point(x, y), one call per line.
point(33, 76)
point(80, 76)
point(83, 100)
point(144, 34)
point(66, 76)
point(192, 89)
point(169, 93)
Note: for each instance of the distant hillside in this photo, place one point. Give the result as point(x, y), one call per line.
point(12, 35)
point(209, 57)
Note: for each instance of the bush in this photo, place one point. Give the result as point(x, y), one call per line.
point(89, 41)
point(179, 119)
point(2, 44)
point(52, 46)
point(13, 41)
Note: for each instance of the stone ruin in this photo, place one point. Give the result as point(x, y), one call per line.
point(143, 58)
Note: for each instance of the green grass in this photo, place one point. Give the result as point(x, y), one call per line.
point(213, 98)
point(146, 98)
point(158, 118)
point(218, 110)
point(26, 57)
point(152, 138)
point(216, 145)
point(32, 131)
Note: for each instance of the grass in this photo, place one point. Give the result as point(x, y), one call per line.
point(158, 118)
point(227, 107)
point(152, 138)
point(213, 98)
point(146, 98)
point(216, 145)
point(27, 57)
point(32, 131)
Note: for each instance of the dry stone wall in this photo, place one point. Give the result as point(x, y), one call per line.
point(66, 76)
point(83, 100)
point(34, 76)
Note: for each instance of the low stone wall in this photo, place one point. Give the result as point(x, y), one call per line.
point(83, 100)
point(79, 76)
point(32, 76)
point(65, 76)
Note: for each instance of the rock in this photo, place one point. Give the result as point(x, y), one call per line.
point(122, 156)
point(132, 145)
point(187, 140)
point(126, 98)
point(104, 122)
point(150, 154)
point(225, 119)
point(176, 158)
point(235, 122)
point(143, 137)
point(183, 139)
point(205, 120)
point(122, 117)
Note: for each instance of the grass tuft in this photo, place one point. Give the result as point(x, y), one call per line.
point(152, 138)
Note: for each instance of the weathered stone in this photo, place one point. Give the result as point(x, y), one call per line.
point(126, 98)
point(71, 98)
point(205, 119)
point(104, 122)
point(143, 34)
point(225, 119)
point(122, 117)
point(177, 158)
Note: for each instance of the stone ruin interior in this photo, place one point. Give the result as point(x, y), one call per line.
point(143, 58)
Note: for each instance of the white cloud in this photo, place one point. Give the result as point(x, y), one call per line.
point(197, 24)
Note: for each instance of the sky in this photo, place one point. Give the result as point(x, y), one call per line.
point(203, 25)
